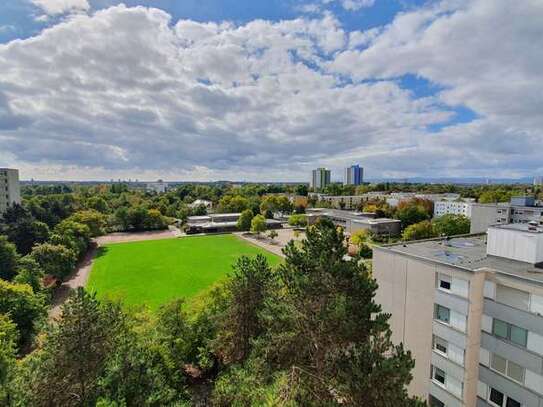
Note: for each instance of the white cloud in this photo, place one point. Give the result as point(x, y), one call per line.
point(127, 92)
point(354, 5)
point(55, 7)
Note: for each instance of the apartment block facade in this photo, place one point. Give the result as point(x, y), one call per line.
point(471, 311)
point(455, 207)
point(521, 210)
point(353, 175)
point(320, 178)
point(10, 190)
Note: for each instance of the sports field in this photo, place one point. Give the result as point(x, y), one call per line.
point(156, 271)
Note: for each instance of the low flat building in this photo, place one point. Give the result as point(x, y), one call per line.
point(10, 189)
point(220, 223)
point(470, 309)
point(353, 221)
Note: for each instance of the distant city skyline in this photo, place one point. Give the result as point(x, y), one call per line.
point(269, 90)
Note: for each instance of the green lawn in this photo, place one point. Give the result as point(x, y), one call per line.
point(154, 272)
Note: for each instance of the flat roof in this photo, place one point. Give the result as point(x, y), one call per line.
point(520, 227)
point(466, 252)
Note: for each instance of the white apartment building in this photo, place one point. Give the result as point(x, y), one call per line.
point(447, 207)
point(10, 190)
point(159, 187)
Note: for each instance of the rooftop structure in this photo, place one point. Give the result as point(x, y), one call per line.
point(470, 309)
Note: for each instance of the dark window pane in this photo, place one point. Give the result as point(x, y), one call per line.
point(512, 403)
point(499, 328)
point(496, 397)
point(445, 284)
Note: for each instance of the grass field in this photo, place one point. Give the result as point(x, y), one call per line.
point(156, 271)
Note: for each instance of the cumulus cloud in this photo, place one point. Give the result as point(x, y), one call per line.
point(129, 91)
point(55, 7)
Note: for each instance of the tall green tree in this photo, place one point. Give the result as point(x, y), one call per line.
point(450, 225)
point(334, 341)
point(8, 259)
point(420, 230)
point(56, 260)
point(8, 345)
point(65, 371)
point(244, 221)
point(246, 291)
point(24, 308)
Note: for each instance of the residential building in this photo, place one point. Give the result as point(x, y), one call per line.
point(10, 190)
point(159, 187)
point(201, 202)
point(521, 209)
point(353, 175)
point(353, 221)
point(453, 207)
point(320, 178)
point(470, 309)
point(220, 223)
point(538, 181)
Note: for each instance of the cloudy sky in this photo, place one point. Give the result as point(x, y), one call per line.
point(267, 90)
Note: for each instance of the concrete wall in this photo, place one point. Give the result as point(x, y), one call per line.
point(406, 290)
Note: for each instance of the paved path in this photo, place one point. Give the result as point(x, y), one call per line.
point(80, 276)
point(275, 246)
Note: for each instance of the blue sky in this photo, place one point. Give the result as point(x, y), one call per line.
point(405, 88)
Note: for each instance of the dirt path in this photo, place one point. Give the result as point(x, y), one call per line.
point(80, 276)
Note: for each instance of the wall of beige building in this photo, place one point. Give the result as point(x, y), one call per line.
point(407, 290)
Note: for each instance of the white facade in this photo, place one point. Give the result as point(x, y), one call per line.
point(516, 242)
point(10, 190)
point(201, 202)
point(452, 207)
point(159, 187)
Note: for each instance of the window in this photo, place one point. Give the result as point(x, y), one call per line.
point(440, 345)
point(434, 402)
point(438, 375)
point(507, 368)
point(444, 282)
point(510, 332)
point(515, 371)
point(497, 398)
point(442, 313)
point(498, 363)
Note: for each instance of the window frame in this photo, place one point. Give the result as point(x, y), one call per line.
point(436, 314)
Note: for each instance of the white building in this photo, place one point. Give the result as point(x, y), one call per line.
point(159, 187)
point(201, 202)
point(10, 190)
point(447, 207)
